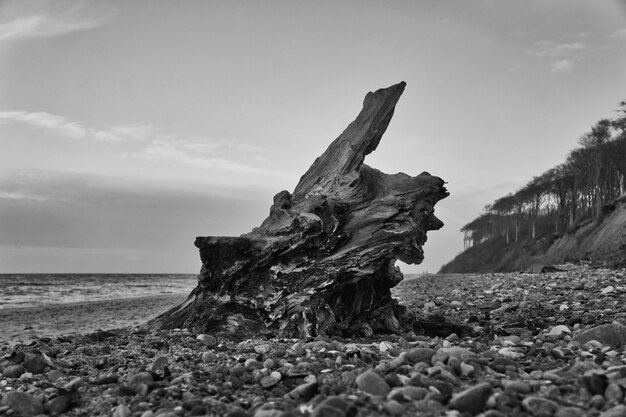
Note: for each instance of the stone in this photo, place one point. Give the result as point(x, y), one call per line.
point(393, 408)
point(323, 261)
point(13, 371)
point(160, 363)
point(516, 386)
point(54, 374)
point(473, 399)
point(121, 411)
point(333, 407)
point(22, 403)
point(608, 290)
point(571, 412)
point(616, 411)
point(209, 357)
point(58, 405)
point(270, 380)
point(303, 392)
point(511, 353)
point(559, 330)
point(372, 383)
point(417, 355)
point(35, 364)
point(539, 406)
point(208, 340)
point(140, 378)
point(612, 334)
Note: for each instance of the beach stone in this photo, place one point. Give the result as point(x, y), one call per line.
point(608, 290)
point(539, 406)
point(35, 364)
point(510, 353)
point(613, 393)
point(571, 412)
point(617, 411)
point(612, 334)
point(394, 408)
point(22, 403)
point(372, 383)
point(58, 405)
point(270, 380)
point(304, 392)
point(252, 364)
point(160, 363)
point(472, 399)
point(140, 378)
point(54, 374)
point(121, 411)
point(460, 353)
point(408, 393)
point(559, 330)
point(13, 371)
point(208, 340)
point(417, 355)
point(262, 348)
point(332, 407)
point(516, 386)
point(209, 357)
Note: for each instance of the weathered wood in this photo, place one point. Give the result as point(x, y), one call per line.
point(323, 261)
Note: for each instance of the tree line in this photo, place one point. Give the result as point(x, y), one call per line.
point(558, 200)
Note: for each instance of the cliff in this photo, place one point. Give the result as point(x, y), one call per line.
point(601, 240)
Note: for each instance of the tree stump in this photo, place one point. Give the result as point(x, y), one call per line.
point(323, 261)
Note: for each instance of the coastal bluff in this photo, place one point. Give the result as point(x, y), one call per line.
point(323, 262)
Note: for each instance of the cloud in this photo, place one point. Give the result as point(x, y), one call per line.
point(58, 124)
point(72, 129)
point(618, 34)
point(552, 50)
point(204, 153)
point(563, 65)
point(25, 19)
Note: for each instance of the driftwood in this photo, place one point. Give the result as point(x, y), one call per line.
point(323, 261)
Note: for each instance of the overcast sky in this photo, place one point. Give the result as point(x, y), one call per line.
point(128, 128)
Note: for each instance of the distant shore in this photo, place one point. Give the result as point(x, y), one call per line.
point(29, 323)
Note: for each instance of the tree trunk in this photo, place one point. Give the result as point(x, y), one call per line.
point(323, 261)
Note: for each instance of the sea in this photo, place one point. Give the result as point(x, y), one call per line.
point(34, 290)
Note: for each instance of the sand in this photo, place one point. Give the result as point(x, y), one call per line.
point(26, 324)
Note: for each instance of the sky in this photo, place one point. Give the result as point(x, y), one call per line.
point(128, 128)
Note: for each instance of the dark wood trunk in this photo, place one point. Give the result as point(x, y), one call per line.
point(323, 261)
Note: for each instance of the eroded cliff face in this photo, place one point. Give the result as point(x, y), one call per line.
point(601, 240)
point(323, 261)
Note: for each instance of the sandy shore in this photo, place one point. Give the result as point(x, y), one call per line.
point(26, 324)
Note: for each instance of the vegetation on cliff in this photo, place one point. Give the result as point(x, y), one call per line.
point(551, 205)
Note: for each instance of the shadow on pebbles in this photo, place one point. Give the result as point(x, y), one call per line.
point(542, 345)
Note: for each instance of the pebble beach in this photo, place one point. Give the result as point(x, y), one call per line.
point(549, 344)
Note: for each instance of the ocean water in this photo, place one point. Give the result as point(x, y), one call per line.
point(33, 290)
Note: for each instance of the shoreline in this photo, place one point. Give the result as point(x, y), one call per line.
point(24, 324)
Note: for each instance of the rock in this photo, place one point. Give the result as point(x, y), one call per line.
point(160, 363)
point(511, 353)
point(559, 330)
point(516, 386)
point(58, 405)
point(54, 374)
point(323, 261)
point(616, 411)
point(35, 364)
point(571, 412)
point(372, 383)
point(608, 290)
point(613, 393)
point(303, 392)
point(121, 411)
point(140, 378)
point(270, 380)
point(333, 407)
point(420, 355)
point(252, 364)
point(612, 334)
point(393, 408)
point(208, 340)
point(209, 357)
point(13, 371)
point(473, 399)
point(539, 406)
point(22, 403)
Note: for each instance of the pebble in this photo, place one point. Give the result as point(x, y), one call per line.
point(612, 334)
point(208, 340)
point(13, 371)
point(372, 383)
point(333, 407)
point(559, 330)
point(209, 357)
point(616, 411)
point(539, 406)
point(35, 364)
point(270, 380)
point(22, 403)
point(473, 399)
